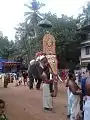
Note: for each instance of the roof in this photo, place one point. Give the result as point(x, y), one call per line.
point(10, 62)
point(7, 61)
point(3, 60)
point(88, 41)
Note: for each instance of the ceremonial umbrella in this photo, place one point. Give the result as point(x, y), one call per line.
point(45, 23)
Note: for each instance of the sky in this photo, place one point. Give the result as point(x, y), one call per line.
point(12, 12)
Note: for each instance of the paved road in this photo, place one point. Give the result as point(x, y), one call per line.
point(25, 104)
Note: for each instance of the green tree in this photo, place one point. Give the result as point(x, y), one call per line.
point(4, 43)
point(63, 29)
point(34, 16)
point(84, 18)
point(67, 41)
point(26, 43)
point(6, 47)
point(27, 32)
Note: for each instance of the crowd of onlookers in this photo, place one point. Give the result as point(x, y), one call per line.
point(78, 92)
point(76, 89)
point(18, 78)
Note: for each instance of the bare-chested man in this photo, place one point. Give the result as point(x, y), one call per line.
point(74, 97)
point(87, 102)
point(68, 93)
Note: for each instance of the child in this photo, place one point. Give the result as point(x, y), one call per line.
point(2, 107)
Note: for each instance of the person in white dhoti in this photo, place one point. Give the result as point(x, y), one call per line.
point(75, 106)
point(68, 96)
point(69, 102)
point(74, 98)
point(47, 98)
point(87, 101)
point(47, 85)
point(69, 93)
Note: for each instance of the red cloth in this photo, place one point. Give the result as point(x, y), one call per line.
point(63, 75)
point(39, 53)
point(48, 81)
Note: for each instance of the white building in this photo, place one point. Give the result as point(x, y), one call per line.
point(85, 53)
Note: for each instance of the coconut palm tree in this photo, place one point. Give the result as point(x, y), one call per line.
point(34, 16)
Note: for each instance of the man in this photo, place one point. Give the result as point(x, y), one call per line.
point(25, 75)
point(83, 74)
point(69, 92)
point(87, 102)
point(30, 74)
point(47, 84)
point(83, 96)
point(17, 78)
point(74, 97)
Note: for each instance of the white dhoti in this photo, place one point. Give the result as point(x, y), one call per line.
point(75, 107)
point(69, 102)
point(87, 109)
point(47, 99)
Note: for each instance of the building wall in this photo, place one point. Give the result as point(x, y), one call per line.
point(85, 59)
point(83, 53)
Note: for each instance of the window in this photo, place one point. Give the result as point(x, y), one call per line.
point(87, 50)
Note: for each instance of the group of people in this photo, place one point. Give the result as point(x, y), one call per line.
point(21, 77)
point(41, 73)
point(78, 91)
point(78, 87)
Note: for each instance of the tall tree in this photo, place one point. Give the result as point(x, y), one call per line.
point(4, 43)
point(67, 40)
point(34, 16)
point(27, 32)
point(84, 17)
point(7, 48)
